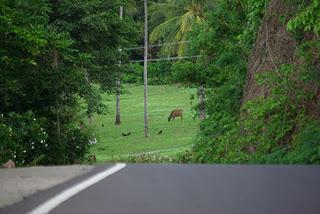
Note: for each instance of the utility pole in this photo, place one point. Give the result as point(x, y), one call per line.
point(118, 85)
point(145, 69)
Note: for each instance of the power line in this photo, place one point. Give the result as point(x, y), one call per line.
point(158, 45)
point(167, 59)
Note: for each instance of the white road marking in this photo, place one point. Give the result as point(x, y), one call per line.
point(52, 203)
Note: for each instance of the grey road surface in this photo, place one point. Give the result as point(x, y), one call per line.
point(16, 184)
point(191, 189)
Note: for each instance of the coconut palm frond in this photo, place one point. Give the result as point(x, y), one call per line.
point(172, 39)
point(180, 17)
point(163, 29)
point(187, 21)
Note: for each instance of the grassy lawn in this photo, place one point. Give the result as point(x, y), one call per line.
point(177, 136)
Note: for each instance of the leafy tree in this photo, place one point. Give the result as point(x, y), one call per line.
point(53, 56)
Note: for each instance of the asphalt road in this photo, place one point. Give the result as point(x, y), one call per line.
point(15, 184)
point(190, 189)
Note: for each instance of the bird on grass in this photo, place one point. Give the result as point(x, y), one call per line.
point(160, 132)
point(126, 134)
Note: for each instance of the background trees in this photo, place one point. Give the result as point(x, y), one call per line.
point(53, 55)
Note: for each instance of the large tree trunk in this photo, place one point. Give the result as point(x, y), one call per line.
point(274, 46)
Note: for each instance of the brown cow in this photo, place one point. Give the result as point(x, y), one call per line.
point(175, 113)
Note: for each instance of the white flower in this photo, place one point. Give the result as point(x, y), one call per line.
point(46, 145)
point(41, 141)
point(44, 133)
point(24, 151)
point(32, 147)
point(22, 161)
point(14, 156)
point(93, 141)
point(32, 143)
point(34, 119)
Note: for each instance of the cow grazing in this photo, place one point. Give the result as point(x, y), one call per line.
point(175, 113)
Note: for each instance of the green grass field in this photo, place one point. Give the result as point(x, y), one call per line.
point(177, 136)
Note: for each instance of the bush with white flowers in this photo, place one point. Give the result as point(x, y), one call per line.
point(23, 138)
point(93, 140)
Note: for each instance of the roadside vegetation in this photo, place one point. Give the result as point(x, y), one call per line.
point(253, 79)
point(52, 56)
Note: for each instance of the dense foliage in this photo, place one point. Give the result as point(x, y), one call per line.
point(53, 54)
point(224, 43)
point(281, 127)
point(159, 73)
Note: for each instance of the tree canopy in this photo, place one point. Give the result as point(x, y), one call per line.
point(53, 56)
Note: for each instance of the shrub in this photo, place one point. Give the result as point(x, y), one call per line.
point(68, 148)
point(306, 148)
point(23, 138)
point(77, 144)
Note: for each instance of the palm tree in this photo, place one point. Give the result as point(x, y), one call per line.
point(171, 20)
